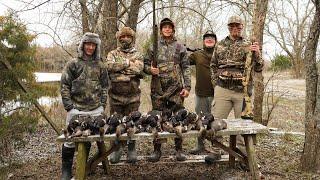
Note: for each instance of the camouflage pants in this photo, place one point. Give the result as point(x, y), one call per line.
point(125, 110)
point(174, 102)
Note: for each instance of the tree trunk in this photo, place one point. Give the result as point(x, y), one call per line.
point(109, 26)
point(133, 14)
point(310, 160)
point(85, 16)
point(260, 11)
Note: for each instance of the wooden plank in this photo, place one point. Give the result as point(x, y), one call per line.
point(171, 159)
point(253, 165)
point(102, 156)
point(227, 149)
point(235, 127)
point(101, 152)
point(81, 161)
point(232, 146)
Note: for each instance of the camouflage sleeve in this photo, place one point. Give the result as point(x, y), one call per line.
point(258, 63)
point(185, 66)
point(114, 65)
point(147, 61)
point(214, 68)
point(104, 80)
point(192, 59)
point(65, 86)
point(135, 64)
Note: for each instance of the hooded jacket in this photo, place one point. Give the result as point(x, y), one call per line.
point(84, 81)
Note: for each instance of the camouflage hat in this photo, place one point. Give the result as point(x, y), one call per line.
point(210, 33)
point(166, 21)
point(125, 31)
point(235, 19)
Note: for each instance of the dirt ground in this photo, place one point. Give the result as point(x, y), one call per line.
point(278, 155)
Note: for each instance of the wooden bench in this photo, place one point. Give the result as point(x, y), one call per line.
point(247, 128)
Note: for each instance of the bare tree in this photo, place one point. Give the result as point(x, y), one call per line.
point(290, 33)
point(109, 26)
point(310, 160)
point(133, 13)
point(260, 11)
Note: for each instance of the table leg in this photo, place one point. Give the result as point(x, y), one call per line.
point(102, 156)
point(253, 166)
point(233, 146)
point(81, 161)
point(102, 151)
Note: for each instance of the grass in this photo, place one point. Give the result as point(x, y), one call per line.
point(288, 115)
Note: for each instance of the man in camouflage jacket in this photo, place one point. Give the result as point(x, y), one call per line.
point(84, 84)
point(125, 65)
point(172, 74)
point(227, 69)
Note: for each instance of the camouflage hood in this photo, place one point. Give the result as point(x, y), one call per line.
point(93, 38)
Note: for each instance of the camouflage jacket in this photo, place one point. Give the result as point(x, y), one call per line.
point(125, 69)
point(172, 62)
point(123, 65)
point(84, 85)
point(228, 63)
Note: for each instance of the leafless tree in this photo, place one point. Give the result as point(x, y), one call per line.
point(288, 22)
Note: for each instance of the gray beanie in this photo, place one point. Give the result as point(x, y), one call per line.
point(93, 38)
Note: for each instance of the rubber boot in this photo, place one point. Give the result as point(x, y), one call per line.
point(213, 157)
point(200, 146)
point(67, 160)
point(155, 156)
point(132, 153)
point(179, 155)
point(116, 155)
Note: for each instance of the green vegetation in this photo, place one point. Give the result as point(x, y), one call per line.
point(17, 114)
point(280, 62)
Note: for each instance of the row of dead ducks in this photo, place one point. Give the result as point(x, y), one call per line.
point(152, 122)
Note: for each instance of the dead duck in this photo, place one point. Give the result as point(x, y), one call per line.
point(165, 123)
point(131, 123)
point(213, 125)
point(112, 123)
point(74, 128)
point(121, 128)
point(96, 124)
point(190, 121)
point(142, 124)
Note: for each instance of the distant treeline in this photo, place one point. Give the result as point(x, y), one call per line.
point(53, 59)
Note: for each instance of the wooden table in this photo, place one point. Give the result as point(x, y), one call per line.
point(247, 128)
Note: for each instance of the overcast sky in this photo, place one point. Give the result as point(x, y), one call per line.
point(39, 20)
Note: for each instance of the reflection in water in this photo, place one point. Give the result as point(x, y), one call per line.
point(43, 101)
